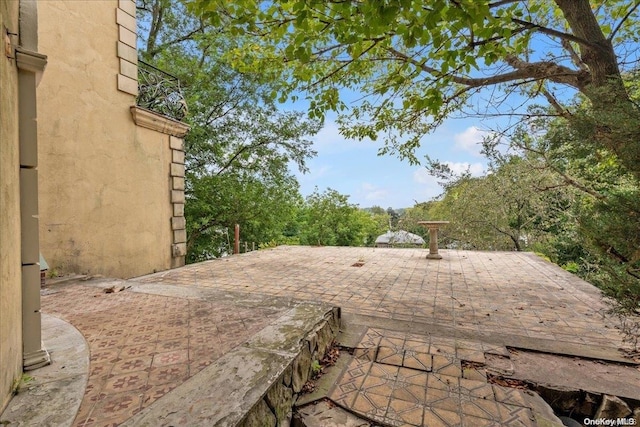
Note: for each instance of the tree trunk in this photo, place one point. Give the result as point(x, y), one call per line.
point(617, 118)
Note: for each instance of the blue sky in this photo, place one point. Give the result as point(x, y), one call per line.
point(353, 168)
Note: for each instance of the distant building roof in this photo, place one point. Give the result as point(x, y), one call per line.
point(399, 237)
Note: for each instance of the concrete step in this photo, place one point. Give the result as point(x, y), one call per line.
point(50, 396)
point(257, 382)
point(355, 324)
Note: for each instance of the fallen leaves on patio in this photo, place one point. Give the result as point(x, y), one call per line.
point(330, 358)
point(114, 289)
point(506, 382)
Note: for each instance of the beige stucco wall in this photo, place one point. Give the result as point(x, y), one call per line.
point(104, 182)
point(10, 263)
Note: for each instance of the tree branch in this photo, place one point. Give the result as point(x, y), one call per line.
point(239, 152)
point(337, 70)
point(157, 13)
point(188, 36)
point(198, 232)
point(568, 179)
point(622, 21)
point(563, 112)
point(552, 32)
point(575, 58)
point(503, 2)
point(524, 70)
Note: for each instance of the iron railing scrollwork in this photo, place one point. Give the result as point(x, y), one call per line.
point(160, 92)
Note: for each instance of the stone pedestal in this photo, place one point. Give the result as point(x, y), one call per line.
point(433, 227)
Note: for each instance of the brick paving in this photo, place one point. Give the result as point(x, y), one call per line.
point(142, 346)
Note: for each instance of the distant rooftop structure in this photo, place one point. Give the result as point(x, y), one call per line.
point(398, 238)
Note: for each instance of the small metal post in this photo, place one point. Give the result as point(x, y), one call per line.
point(236, 240)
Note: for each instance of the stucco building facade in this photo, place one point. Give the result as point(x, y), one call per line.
point(21, 68)
point(88, 179)
point(10, 274)
point(111, 174)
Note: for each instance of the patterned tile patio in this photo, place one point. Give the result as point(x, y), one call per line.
point(146, 341)
point(397, 392)
point(502, 292)
point(142, 346)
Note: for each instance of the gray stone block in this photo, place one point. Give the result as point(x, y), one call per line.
point(128, 69)
point(178, 223)
point(301, 369)
point(177, 196)
point(248, 384)
point(179, 236)
point(222, 394)
point(126, 20)
point(177, 156)
point(259, 416)
point(127, 85)
point(280, 400)
point(177, 183)
point(128, 6)
point(177, 169)
point(176, 143)
point(178, 209)
point(127, 37)
point(127, 52)
point(612, 407)
point(179, 250)
point(325, 338)
point(286, 377)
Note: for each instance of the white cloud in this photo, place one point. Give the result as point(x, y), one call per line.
point(476, 169)
point(428, 187)
point(374, 193)
point(422, 176)
point(470, 140)
point(368, 187)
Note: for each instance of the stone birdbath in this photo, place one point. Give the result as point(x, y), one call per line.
point(433, 227)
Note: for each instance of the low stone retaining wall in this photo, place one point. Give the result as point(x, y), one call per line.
point(275, 409)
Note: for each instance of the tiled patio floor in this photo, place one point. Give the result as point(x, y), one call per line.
point(146, 341)
point(384, 383)
point(503, 292)
point(142, 346)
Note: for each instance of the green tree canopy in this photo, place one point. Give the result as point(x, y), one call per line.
point(414, 63)
point(328, 219)
point(513, 207)
point(600, 230)
point(240, 147)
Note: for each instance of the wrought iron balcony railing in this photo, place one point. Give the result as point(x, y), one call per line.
point(160, 92)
